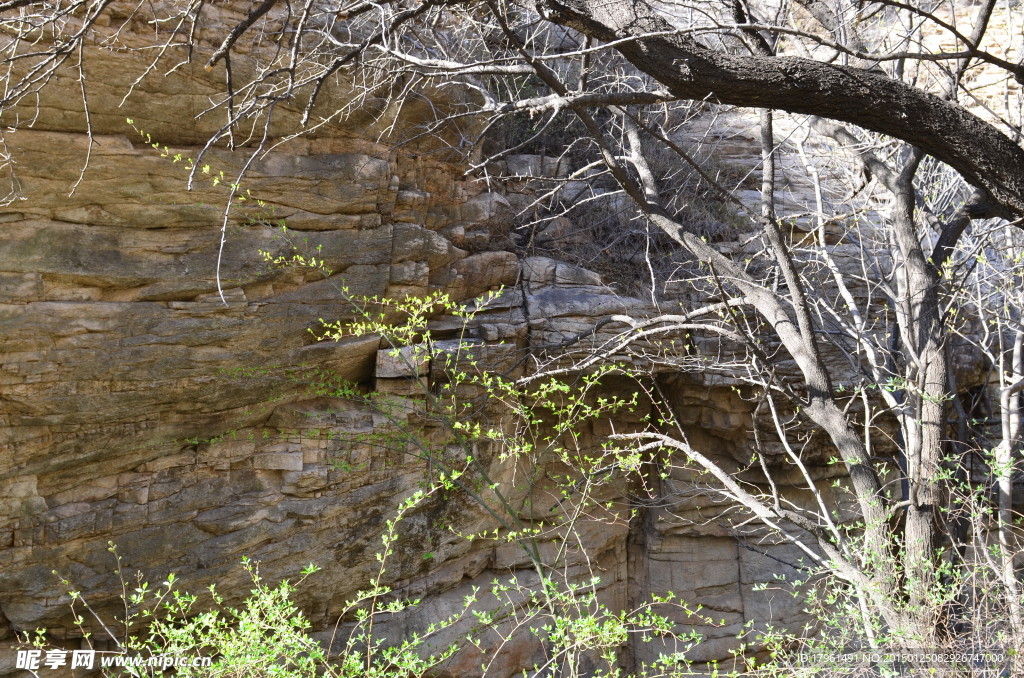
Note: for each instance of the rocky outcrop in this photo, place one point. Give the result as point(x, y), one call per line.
point(164, 392)
point(139, 407)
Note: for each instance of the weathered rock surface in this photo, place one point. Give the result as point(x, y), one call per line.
point(142, 405)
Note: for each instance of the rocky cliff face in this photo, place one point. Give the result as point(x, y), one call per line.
point(138, 407)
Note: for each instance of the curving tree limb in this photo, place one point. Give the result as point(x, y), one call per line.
point(983, 155)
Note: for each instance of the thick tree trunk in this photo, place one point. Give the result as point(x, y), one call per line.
point(924, 418)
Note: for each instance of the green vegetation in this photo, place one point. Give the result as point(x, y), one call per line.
point(560, 608)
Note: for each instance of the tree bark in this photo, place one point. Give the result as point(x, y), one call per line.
point(983, 155)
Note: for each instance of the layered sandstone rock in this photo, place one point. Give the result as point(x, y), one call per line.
point(155, 400)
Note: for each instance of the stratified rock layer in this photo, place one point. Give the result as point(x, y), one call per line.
point(156, 372)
